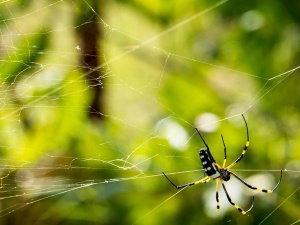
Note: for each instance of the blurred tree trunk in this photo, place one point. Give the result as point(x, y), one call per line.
point(90, 34)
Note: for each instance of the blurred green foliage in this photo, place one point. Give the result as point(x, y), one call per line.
point(163, 64)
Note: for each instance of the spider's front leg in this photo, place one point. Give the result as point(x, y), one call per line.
point(203, 180)
point(245, 147)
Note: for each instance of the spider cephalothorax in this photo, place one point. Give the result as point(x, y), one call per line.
point(214, 171)
point(224, 174)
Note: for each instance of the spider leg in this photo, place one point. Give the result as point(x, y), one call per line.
point(232, 203)
point(225, 155)
point(203, 180)
point(256, 188)
point(217, 195)
point(207, 148)
point(208, 151)
point(245, 147)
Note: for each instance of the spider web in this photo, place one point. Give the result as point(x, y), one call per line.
point(64, 160)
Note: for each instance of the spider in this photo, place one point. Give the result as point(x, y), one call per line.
point(213, 171)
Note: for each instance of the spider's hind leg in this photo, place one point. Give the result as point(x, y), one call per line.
point(235, 205)
point(217, 195)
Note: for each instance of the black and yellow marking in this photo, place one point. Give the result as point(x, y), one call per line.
point(264, 190)
point(240, 209)
point(232, 203)
point(217, 195)
point(218, 206)
point(245, 147)
point(225, 155)
point(257, 188)
point(203, 180)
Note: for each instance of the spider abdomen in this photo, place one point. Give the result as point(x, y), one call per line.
point(207, 164)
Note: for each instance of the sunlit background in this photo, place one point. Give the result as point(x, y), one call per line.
point(98, 98)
